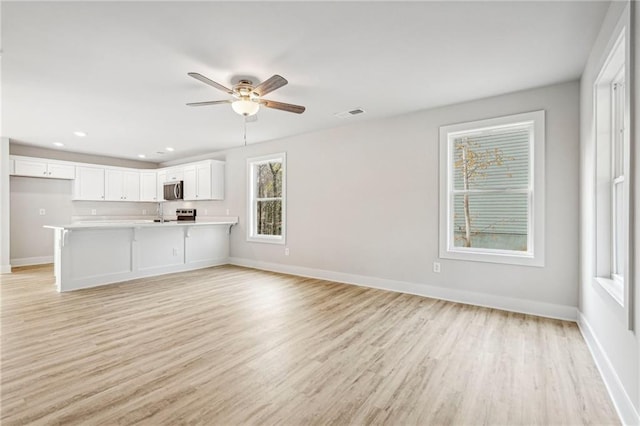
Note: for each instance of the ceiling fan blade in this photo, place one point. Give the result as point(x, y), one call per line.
point(282, 106)
point(209, 103)
point(270, 85)
point(210, 82)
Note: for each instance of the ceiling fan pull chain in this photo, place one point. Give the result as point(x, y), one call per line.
point(245, 131)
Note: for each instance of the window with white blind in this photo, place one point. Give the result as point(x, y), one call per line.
point(492, 190)
point(267, 189)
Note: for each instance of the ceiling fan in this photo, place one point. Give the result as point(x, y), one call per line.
point(247, 98)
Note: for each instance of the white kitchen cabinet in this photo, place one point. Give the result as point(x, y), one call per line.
point(190, 187)
point(204, 181)
point(41, 168)
point(174, 175)
point(148, 186)
point(161, 179)
point(122, 185)
point(89, 183)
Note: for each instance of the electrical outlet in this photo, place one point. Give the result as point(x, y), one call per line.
point(227, 212)
point(175, 251)
point(206, 212)
point(93, 212)
point(436, 267)
point(286, 251)
point(144, 211)
point(43, 212)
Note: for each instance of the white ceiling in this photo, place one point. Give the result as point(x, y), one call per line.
point(118, 71)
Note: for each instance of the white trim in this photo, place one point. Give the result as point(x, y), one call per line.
point(28, 261)
point(5, 269)
point(531, 307)
point(269, 239)
point(535, 255)
point(621, 400)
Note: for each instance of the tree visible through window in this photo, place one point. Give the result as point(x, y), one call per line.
point(269, 199)
point(492, 190)
point(266, 198)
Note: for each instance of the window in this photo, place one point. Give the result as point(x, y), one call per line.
point(492, 190)
point(612, 171)
point(267, 188)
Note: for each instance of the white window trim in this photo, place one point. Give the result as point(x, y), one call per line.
point(616, 285)
point(535, 255)
point(251, 227)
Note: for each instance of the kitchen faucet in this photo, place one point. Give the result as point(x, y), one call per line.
point(160, 212)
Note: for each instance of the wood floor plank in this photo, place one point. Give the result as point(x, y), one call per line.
point(231, 345)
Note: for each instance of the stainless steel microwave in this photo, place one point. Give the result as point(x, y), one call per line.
point(173, 190)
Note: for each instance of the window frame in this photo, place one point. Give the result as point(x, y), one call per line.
point(534, 256)
point(607, 100)
point(252, 200)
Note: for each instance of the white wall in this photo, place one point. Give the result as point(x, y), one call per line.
point(603, 321)
point(363, 206)
point(5, 229)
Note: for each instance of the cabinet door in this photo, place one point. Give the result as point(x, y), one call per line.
point(30, 168)
point(175, 175)
point(203, 180)
point(114, 182)
point(131, 191)
point(217, 180)
point(190, 183)
point(148, 186)
point(61, 171)
point(162, 178)
point(89, 184)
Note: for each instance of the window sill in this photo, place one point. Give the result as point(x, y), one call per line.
point(503, 258)
point(266, 239)
point(615, 288)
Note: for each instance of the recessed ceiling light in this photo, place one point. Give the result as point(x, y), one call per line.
point(169, 149)
point(142, 156)
point(58, 144)
point(80, 133)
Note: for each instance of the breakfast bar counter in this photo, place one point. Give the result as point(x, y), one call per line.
point(96, 253)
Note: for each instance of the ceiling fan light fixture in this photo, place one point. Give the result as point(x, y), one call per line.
point(245, 107)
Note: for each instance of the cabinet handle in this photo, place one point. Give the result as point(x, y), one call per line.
point(49, 173)
point(45, 173)
point(102, 196)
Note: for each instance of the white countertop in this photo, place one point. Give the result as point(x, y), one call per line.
point(225, 220)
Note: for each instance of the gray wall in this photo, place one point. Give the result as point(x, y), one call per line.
point(57, 154)
point(604, 317)
point(363, 200)
point(30, 242)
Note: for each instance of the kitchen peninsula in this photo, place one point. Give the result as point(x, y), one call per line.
point(93, 254)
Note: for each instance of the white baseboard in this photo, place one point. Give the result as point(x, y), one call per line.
point(623, 404)
point(27, 261)
point(541, 309)
point(5, 269)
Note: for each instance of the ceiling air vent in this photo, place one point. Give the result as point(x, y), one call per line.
point(347, 114)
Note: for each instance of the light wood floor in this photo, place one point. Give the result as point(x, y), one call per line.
point(229, 345)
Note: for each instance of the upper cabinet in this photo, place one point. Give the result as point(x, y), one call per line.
point(89, 184)
point(36, 167)
point(122, 185)
point(204, 181)
point(149, 186)
point(173, 175)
